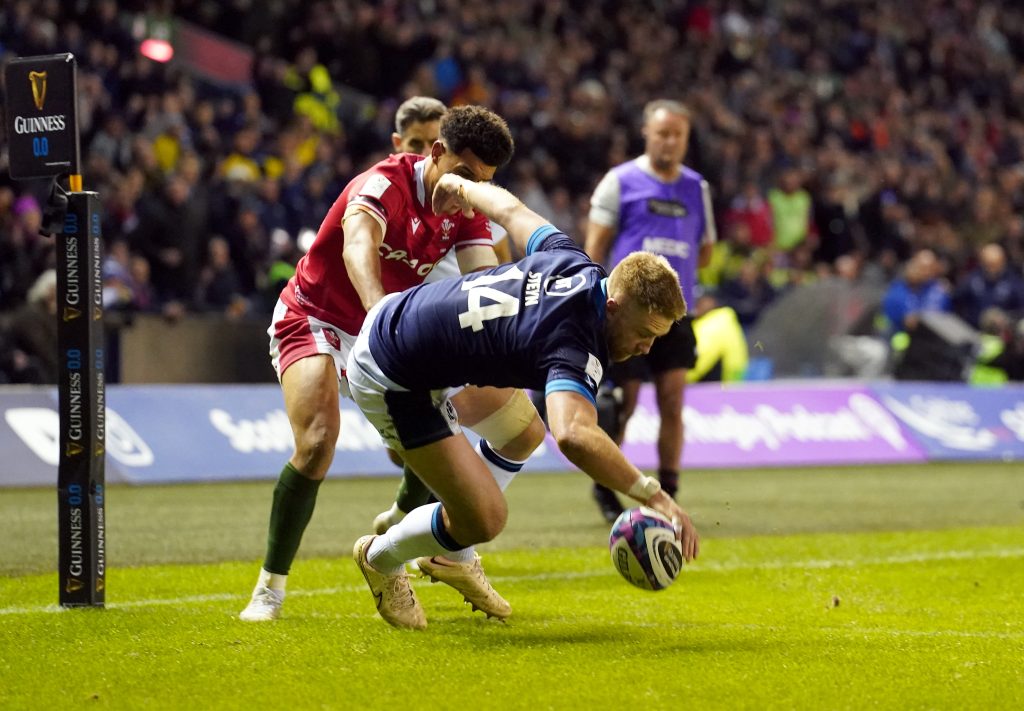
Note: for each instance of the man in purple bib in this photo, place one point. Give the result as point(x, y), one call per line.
point(655, 204)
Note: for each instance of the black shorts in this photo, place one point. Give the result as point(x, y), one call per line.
point(419, 419)
point(676, 349)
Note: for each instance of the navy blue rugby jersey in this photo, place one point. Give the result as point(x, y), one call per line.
point(538, 323)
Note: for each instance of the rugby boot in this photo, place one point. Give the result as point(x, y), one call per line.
point(265, 605)
point(469, 579)
point(396, 601)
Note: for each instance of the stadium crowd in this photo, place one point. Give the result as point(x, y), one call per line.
point(839, 138)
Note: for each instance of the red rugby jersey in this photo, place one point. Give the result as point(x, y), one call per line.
point(415, 240)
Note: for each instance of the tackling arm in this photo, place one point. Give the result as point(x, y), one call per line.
point(473, 259)
point(363, 236)
point(454, 194)
point(573, 423)
point(503, 252)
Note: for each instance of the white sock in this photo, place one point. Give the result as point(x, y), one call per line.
point(273, 581)
point(503, 470)
point(410, 538)
point(417, 534)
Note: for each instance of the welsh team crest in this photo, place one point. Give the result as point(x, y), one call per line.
point(446, 227)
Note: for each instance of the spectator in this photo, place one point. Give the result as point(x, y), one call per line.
point(991, 284)
point(31, 338)
point(994, 357)
point(23, 252)
point(220, 288)
point(928, 151)
point(243, 163)
point(791, 210)
point(832, 223)
point(721, 344)
point(118, 292)
point(918, 290)
point(170, 232)
point(750, 291)
point(752, 209)
point(1014, 358)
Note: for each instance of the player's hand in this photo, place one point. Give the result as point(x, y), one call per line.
point(686, 532)
point(450, 197)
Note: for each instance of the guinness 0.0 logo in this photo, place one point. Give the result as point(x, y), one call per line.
point(38, 82)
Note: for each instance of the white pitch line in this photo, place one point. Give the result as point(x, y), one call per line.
point(926, 557)
point(709, 566)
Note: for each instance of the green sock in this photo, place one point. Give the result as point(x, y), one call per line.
point(412, 492)
point(294, 500)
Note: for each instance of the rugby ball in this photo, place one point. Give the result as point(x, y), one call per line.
point(645, 549)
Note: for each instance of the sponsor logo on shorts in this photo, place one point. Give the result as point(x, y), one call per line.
point(332, 339)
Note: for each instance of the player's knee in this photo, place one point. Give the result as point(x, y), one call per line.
point(314, 448)
point(669, 396)
point(672, 415)
point(534, 434)
point(486, 521)
point(524, 444)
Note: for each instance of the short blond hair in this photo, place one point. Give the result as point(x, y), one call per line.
point(650, 282)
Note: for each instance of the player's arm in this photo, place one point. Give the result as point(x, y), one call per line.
point(603, 218)
point(363, 237)
point(503, 252)
point(704, 255)
point(474, 258)
point(477, 258)
point(599, 241)
point(453, 194)
point(572, 420)
point(710, 236)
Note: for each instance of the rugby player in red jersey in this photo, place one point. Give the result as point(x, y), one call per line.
point(380, 236)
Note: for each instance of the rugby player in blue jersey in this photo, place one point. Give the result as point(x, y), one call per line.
point(552, 321)
point(380, 236)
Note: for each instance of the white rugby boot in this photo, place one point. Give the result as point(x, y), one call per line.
point(265, 605)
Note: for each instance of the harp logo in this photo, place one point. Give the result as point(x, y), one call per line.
point(38, 82)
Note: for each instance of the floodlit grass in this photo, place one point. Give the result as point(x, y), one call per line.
point(823, 589)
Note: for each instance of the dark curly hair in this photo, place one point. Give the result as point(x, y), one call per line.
point(481, 131)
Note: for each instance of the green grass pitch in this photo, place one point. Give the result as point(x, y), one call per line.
point(855, 588)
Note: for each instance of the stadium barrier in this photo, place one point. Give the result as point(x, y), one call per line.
point(178, 433)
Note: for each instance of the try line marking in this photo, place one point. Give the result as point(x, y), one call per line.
point(711, 567)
